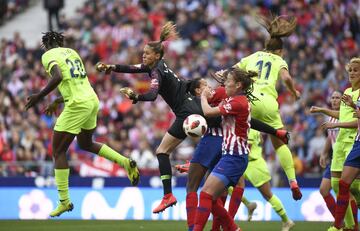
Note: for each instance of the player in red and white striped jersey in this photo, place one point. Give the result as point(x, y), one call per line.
point(325, 185)
point(235, 112)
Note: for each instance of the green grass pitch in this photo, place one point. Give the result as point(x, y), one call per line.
point(94, 225)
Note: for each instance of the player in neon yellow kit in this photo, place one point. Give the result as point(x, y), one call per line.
point(259, 176)
point(345, 139)
point(78, 119)
point(271, 67)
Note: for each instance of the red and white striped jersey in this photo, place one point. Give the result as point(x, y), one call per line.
point(215, 131)
point(333, 132)
point(235, 123)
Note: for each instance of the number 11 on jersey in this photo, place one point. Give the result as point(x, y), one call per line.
point(260, 65)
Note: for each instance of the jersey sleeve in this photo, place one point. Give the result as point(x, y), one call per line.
point(48, 61)
point(282, 64)
point(234, 106)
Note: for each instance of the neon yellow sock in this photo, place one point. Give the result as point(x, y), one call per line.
point(278, 207)
point(111, 154)
point(355, 190)
point(62, 183)
point(245, 201)
point(286, 161)
point(349, 218)
point(335, 184)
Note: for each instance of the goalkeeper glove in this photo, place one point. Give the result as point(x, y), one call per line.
point(102, 67)
point(129, 93)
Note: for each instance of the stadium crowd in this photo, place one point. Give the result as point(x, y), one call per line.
point(10, 8)
point(214, 35)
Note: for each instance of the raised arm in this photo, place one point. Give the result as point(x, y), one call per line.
point(326, 111)
point(207, 109)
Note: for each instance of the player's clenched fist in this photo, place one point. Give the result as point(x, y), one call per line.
point(102, 67)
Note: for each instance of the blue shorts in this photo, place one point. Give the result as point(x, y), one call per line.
point(230, 168)
point(208, 151)
point(327, 172)
point(353, 159)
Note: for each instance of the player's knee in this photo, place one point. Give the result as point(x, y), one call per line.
point(267, 196)
point(58, 154)
point(85, 146)
point(162, 150)
point(191, 186)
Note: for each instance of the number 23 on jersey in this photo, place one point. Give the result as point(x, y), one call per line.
point(76, 68)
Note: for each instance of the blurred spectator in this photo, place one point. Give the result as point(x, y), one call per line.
point(3, 10)
point(53, 7)
point(9, 8)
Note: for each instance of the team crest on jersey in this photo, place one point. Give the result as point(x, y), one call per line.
point(227, 107)
point(154, 83)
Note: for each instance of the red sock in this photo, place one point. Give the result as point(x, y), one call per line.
point(235, 200)
point(227, 222)
point(191, 205)
point(354, 209)
point(216, 220)
point(330, 203)
point(342, 203)
point(203, 211)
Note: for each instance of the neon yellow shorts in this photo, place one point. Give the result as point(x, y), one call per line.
point(257, 172)
point(340, 151)
point(266, 109)
point(78, 116)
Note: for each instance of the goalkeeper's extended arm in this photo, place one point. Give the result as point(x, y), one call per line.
point(139, 68)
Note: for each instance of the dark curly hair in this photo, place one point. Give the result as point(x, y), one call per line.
point(52, 39)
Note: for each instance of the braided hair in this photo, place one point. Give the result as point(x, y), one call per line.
point(52, 39)
point(167, 31)
point(278, 27)
point(246, 79)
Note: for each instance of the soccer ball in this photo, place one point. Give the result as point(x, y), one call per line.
point(195, 125)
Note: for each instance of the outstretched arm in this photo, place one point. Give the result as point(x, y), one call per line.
point(326, 111)
point(107, 68)
point(55, 80)
point(352, 124)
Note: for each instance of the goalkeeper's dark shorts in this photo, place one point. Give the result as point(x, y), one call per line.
point(191, 105)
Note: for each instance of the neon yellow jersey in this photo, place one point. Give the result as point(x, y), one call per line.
point(254, 139)
point(268, 66)
point(346, 115)
point(75, 86)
